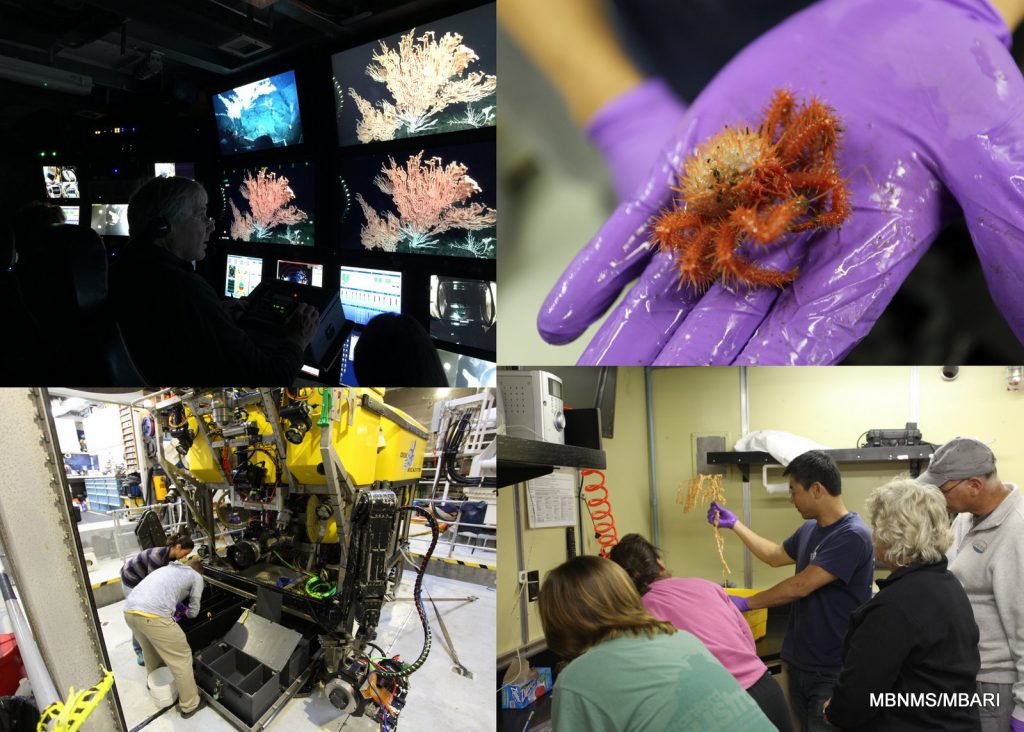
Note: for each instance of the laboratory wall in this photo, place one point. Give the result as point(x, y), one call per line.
point(628, 482)
point(832, 406)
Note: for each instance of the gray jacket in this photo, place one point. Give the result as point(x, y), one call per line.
point(988, 559)
point(163, 588)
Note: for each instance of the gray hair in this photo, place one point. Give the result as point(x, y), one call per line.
point(168, 198)
point(909, 521)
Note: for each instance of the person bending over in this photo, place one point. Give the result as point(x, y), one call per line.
point(150, 613)
point(701, 607)
point(139, 566)
point(917, 635)
point(629, 671)
point(173, 322)
point(833, 556)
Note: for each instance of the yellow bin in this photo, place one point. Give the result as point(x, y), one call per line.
point(756, 619)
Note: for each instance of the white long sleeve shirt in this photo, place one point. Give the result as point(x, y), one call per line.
point(162, 589)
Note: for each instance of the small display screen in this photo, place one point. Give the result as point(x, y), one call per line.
point(366, 293)
point(171, 170)
point(242, 276)
point(61, 181)
point(463, 311)
point(463, 370)
point(555, 388)
point(347, 375)
point(72, 215)
point(301, 273)
point(110, 219)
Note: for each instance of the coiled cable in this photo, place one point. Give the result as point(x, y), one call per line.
point(600, 509)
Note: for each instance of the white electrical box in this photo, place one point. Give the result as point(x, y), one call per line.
point(533, 405)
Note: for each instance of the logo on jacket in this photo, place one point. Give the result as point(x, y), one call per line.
point(979, 546)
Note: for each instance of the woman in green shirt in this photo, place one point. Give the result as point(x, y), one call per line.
point(628, 671)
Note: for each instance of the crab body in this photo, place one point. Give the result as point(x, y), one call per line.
point(754, 185)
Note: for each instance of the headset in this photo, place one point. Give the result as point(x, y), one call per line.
point(158, 224)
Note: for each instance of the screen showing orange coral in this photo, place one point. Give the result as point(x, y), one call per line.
point(268, 204)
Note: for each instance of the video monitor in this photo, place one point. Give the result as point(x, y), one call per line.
point(258, 116)
point(270, 204)
point(61, 181)
point(463, 311)
point(347, 372)
point(300, 272)
point(438, 77)
point(366, 293)
point(172, 170)
point(463, 370)
point(242, 275)
point(72, 214)
point(110, 219)
point(440, 200)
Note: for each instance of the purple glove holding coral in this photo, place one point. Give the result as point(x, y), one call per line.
point(933, 128)
point(726, 518)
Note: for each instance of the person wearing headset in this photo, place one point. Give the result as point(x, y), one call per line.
point(172, 319)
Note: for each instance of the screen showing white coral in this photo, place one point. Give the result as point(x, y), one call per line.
point(437, 77)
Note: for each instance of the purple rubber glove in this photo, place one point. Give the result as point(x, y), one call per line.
point(931, 119)
point(740, 602)
point(1016, 725)
point(631, 130)
point(180, 612)
point(726, 518)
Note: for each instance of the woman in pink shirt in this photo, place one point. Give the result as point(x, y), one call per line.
point(702, 608)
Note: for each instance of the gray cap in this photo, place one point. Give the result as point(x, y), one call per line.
point(959, 459)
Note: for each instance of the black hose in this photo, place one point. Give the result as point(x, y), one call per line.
point(407, 669)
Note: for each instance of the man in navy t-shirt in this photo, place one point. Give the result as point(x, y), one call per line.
point(833, 554)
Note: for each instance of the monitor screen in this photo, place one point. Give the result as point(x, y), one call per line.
point(439, 200)
point(369, 292)
point(242, 276)
point(259, 116)
point(463, 311)
point(110, 219)
point(270, 204)
point(463, 370)
point(300, 272)
point(347, 372)
point(72, 214)
point(171, 170)
point(61, 181)
point(438, 77)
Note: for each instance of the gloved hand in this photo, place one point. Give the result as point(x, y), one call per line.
point(740, 602)
point(726, 518)
point(1016, 725)
point(930, 121)
point(631, 129)
point(180, 612)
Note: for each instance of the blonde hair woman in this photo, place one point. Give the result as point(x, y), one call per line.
point(629, 671)
point(917, 635)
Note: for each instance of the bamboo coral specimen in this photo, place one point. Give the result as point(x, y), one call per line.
point(705, 494)
point(430, 198)
point(424, 76)
point(755, 185)
point(269, 203)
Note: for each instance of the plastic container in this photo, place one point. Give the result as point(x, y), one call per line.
point(162, 687)
point(756, 619)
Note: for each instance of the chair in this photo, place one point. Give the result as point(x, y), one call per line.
point(62, 270)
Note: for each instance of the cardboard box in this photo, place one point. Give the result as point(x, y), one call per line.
point(524, 693)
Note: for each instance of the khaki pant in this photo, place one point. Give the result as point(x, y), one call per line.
point(163, 643)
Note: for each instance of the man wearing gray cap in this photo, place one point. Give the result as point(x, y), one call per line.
point(987, 557)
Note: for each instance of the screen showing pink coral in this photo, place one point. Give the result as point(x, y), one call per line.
point(436, 200)
point(268, 204)
point(437, 77)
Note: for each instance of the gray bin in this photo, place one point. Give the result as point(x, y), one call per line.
point(247, 687)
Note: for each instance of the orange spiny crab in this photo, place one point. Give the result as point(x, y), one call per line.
point(755, 185)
